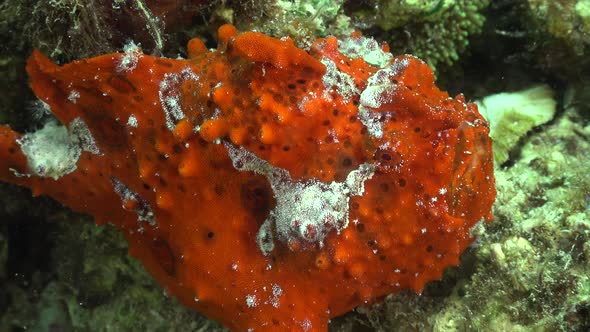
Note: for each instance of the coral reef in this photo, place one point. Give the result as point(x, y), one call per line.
point(440, 42)
point(68, 29)
point(435, 31)
point(567, 20)
point(366, 206)
point(558, 33)
point(399, 13)
point(303, 21)
point(539, 245)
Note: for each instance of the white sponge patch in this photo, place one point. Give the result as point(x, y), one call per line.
point(305, 211)
point(378, 92)
point(54, 150)
point(366, 48)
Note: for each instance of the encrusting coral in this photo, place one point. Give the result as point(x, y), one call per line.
point(438, 35)
point(268, 187)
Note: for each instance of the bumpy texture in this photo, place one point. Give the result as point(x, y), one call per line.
point(567, 20)
point(442, 33)
point(267, 187)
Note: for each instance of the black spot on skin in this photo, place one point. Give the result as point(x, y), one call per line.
point(177, 148)
point(387, 158)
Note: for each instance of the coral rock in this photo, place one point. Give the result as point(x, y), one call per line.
point(268, 187)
